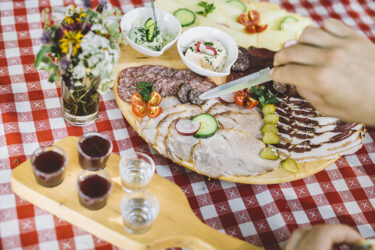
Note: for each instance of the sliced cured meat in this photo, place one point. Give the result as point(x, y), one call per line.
point(194, 97)
point(178, 146)
point(260, 57)
point(305, 135)
point(219, 107)
point(163, 126)
point(243, 61)
point(231, 152)
point(166, 80)
point(166, 103)
point(251, 123)
point(183, 92)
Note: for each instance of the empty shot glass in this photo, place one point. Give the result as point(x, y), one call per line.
point(94, 188)
point(93, 151)
point(139, 210)
point(136, 171)
point(48, 164)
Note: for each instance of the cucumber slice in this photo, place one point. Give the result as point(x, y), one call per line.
point(287, 20)
point(151, 32)
point(185, 16)
point(239, 4)
point(269, 127)
point(290, 165)
point(271, 118)
point(269, 153)
point(149, 22)
point(268, 109)
point(208, 125)
point(271, 138)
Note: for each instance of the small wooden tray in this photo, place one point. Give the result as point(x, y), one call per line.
point(175, 226)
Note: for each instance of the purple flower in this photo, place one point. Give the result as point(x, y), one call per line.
point(46, 37)
point(64, 63)
point(86, 3)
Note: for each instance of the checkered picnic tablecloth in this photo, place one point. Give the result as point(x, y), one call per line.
point(265, 215)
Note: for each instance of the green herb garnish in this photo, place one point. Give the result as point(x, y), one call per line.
point(145, 90)
point(263, 95)
point(208, 8)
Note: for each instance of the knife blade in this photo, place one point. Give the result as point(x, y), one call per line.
point(248, 81)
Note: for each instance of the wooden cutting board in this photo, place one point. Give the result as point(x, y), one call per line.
point(175, 226)
point(130, 58)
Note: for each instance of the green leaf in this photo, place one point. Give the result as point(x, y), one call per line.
point(45, 49)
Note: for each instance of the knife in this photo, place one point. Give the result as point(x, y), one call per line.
point(248, 81)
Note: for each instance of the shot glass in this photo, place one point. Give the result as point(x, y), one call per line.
point(136, 171)
point(93, 151)
point(139, 210)
point(48, 164)
point(94, 188)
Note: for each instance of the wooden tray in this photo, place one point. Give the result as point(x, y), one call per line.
point(130, 58)
point(175, 226)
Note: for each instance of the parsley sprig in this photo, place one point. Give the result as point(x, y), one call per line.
point(263, 95)
point(145, 89)
point(208, 8)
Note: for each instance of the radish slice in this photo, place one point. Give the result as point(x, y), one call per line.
point(187, 127)
point(289, 43)
point(211, 51)
point(228, 98)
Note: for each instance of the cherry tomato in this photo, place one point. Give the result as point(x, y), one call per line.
point(243, 92)
point(139, 110)
point(250, 103)
point(137, 99)
point(256, 28)
point(155, 99)
point(239, 99)
point(254, 16)
point(153, 111)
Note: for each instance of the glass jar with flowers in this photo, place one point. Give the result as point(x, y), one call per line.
point(80, 52)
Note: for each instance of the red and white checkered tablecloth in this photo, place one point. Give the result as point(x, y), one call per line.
point(265, 215)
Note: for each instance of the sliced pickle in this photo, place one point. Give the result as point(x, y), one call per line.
point(271, 118)
point(269, 153)
point(269, 127)
point(268, 109)
point(290, 165)
point(271, 138)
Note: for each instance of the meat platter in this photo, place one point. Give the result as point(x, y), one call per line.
point(233, 153)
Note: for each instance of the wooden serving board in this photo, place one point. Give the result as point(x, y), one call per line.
point(130, 58)
point(175, 226)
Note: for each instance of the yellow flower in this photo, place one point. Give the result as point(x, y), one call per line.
point(68, 20)
point(71, 41)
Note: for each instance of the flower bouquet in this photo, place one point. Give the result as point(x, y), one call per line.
point(80, 52)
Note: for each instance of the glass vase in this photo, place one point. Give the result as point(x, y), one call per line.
point(80, 101)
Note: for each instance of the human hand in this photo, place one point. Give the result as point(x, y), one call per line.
point(334, 69)
point(322, 237)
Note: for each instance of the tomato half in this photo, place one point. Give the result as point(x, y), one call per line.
point(155, 99)
point(137, 99)
point(250, 103)
point(239, 99)
point(153, 111)
point(256, 28)
point(254, 16)
point(139, 110)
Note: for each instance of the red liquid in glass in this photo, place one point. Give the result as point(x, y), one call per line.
point(95, 148)
point(48, 163)
point(96, 188)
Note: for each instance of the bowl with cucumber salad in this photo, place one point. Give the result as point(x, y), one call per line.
point(148, 36)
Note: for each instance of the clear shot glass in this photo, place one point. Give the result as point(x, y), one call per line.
point(136, 171)
point(139, 210)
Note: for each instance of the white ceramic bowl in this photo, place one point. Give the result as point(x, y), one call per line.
point(208, 34)
point(165, 21)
